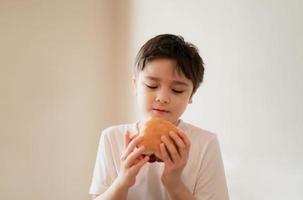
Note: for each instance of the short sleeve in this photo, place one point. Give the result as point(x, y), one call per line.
point(211, 182)
point(104, 170)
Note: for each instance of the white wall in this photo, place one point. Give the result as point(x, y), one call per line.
point(253, 90)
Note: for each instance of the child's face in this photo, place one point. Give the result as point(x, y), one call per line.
point(161, 91)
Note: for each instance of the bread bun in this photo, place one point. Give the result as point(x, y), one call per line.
point(152, 131)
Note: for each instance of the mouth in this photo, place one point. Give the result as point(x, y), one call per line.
point(160, 111)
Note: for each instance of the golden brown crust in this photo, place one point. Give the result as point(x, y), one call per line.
point(152, 131)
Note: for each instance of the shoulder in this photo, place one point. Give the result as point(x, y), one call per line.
point(117, 131)
point(197, 135)
point(113, 137)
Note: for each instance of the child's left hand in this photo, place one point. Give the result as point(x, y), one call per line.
point(174, 153)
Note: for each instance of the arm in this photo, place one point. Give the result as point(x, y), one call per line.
point(180, 192)
point(174, 151)
point(131, 163)
point(211, 183)
point(113, 192)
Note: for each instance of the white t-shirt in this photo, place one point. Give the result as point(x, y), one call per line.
point(203, 174)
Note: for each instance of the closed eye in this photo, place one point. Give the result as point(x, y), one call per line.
point(151, 87)
point(178, 91)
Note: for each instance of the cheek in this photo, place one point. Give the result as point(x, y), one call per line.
point(144, 97)
point(140, 93)
point(142, 90)
point(181, 103)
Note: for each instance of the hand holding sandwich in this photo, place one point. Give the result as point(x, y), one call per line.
point(170, 145)
point(132, 161)
point(174, 152)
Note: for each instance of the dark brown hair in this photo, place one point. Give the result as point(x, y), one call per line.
point(173, 47)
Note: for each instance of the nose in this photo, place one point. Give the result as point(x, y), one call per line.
point(163, 97)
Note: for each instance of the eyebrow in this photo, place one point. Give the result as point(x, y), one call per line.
point(175, 82)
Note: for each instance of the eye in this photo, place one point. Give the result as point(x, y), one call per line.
point(151, 86)
point(178, 91)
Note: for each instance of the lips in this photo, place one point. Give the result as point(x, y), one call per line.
point(160, 110)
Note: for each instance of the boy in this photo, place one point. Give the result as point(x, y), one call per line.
point(167, 74)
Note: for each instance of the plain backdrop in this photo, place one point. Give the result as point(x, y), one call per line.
point(66, 71)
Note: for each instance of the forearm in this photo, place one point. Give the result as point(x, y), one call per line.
point(114, 192)
point(180, 192)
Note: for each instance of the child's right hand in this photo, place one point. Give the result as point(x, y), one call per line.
point(132, 160)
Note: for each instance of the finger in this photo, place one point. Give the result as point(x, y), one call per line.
point(131, 146)
point(179, 142)
point(133, 136)
point(139, 164)
point(131, 159)
point(171, 147)
point(184, 138)
point(164, 155)
point(126, 138)
point(138, 159)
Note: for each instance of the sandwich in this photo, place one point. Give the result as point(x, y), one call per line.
point(152, 131)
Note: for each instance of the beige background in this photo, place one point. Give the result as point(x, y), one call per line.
point(65, 74)
point(60, 84)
